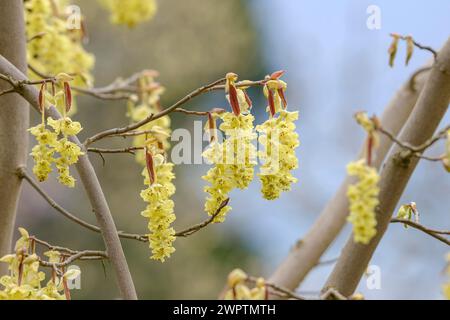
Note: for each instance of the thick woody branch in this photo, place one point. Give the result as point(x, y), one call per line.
point(91, 186)
point(420, 127)
point(14, 121)
point(305, 255)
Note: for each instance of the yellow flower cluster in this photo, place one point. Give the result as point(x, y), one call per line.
point(363, 198)
point(446, 287)
point(160, 209)
point(130, 12)
point(140, 108)
point(240, 291)
point(55, 142)
point(24, 279)
point(53, 48)
point(233, 160)
point(279, 140)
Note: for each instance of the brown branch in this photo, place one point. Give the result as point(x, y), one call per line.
point(192, 113)
point(419, 129)
point(120, 89)
point(419, 45)
point(433, 233)
point(198, 227)
point(7, 91)
point(139, 237)
point(152, 117)
point(174, 108)
point(23, 174)
point(130, 150)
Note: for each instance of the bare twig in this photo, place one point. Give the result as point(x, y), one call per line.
point(139, 237)
point(130, 150)
point(23, 174)
point(198, 227)
point(416, 151)
point(152, 116)
point(433, 233)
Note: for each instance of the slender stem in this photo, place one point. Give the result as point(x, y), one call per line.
point(152, 117)
point(139, 237)
point(434, 233)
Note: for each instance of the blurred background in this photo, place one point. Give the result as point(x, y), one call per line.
point(334, 66)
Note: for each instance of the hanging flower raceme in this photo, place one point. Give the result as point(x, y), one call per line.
point(279, 141)
point(25, 278)
point(139, 108)
point(54, 146)
point(363, 195)
point(363, 198)
point(238, 289)
point(234, 158)
point(53, 47)
point(130, 12)
point(160, 208)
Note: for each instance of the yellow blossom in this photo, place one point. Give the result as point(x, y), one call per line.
point(130, 12)
point(363, 199)
point(160, 208)
point(233, 161)
point(24, 281)
point(279, 141)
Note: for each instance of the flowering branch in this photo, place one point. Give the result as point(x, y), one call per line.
point(425, 118)
point(91, 185)
point(120, 89)
point(68, 254)
point(305, 255)
point(216, 85)
point(21, 172)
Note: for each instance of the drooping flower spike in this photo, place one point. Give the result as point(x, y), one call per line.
point(234, 158)
point(158, 176)
point(363, 195)
point(52, 143)
point(279, 140)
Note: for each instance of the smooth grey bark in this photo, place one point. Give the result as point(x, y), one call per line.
point(429, 110)
point(306, 254)
point(14, 120)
